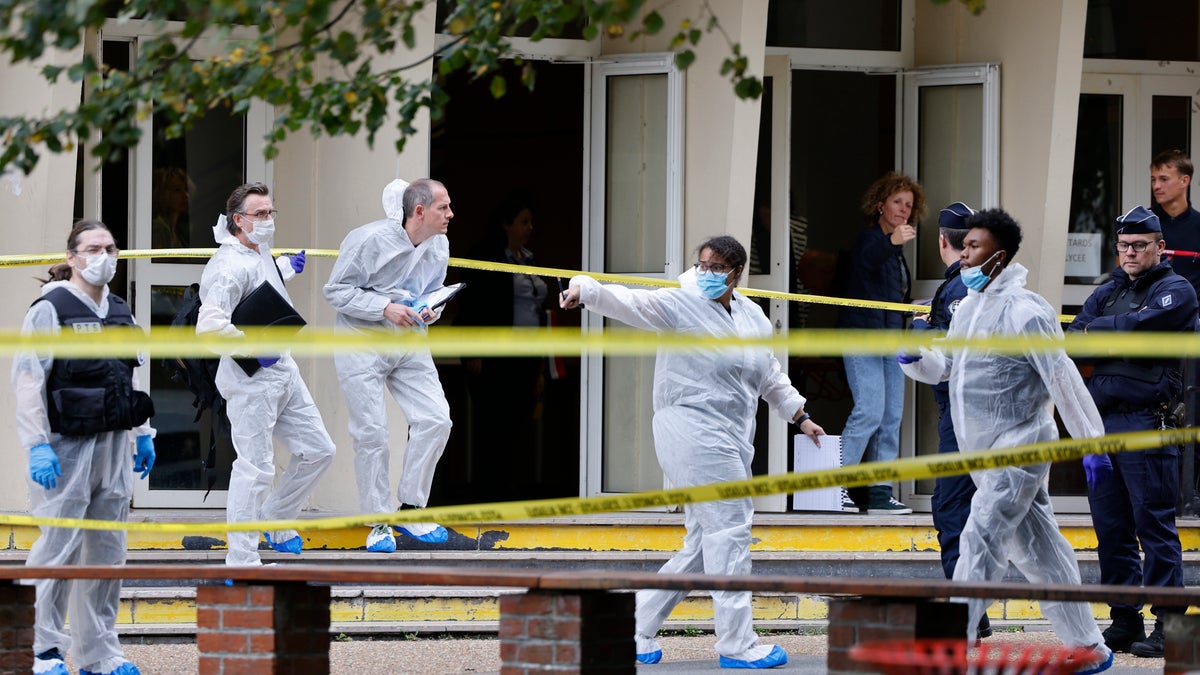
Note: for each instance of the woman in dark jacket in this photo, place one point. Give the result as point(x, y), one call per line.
point(876, 270)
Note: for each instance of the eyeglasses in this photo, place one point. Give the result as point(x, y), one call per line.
point(261, 215)
point(97, 250)
point(1137, 246)
point(716, 268)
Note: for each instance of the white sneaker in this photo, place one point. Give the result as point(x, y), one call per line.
point(381, 540)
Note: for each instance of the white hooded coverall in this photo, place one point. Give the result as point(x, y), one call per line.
point(1002, 401)
point(705, 402)
point(272, 403)
point(377, 265)
point(96, 483)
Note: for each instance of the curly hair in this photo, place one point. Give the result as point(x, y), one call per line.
point(891, 183)
point(1003, 228)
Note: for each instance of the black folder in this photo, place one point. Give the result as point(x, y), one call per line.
point(263, 308)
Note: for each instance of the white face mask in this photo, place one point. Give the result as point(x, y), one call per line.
point(264, 231)
point(100, 268)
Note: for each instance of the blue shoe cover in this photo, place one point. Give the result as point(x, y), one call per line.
point(58, 668)
point(381, 540)
point(293, 545)
point(437, 536)
point(650, 658)
point(1091, 668)
point(126, 668)
point(777, 657)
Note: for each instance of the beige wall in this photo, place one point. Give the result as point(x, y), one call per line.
point(721, 131)
point(1039, 44)
point(327, 187)
point(36, 214)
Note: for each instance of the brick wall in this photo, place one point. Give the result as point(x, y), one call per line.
point(857, 620)
point(569, 633)
point(16, 628)
point(262, 629)
point(1182, 649)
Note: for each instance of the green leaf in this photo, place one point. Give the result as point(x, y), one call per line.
point(684, 58)
point(499, 86)
point(653, 23)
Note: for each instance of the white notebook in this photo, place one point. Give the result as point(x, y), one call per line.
point(808, 457)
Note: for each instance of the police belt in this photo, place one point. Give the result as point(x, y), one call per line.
point(1156, 408)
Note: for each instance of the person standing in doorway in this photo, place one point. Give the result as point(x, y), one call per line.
point(876, 270)
point(1132, 494)
point(1170, 181)
point(383, 272)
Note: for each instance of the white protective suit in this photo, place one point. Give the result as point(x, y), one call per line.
point(376, 266)
point(96, 483)
point(1002, 401)
point(705, 404)
point(274, 402)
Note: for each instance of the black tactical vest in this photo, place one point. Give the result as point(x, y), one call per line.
point(90, 396)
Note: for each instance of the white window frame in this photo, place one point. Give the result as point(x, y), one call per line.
point(591, 440)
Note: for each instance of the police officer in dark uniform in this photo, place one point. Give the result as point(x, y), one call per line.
point(951, 494)
point(1132, 494)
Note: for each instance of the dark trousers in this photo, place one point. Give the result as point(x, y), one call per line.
point(951, 501)
point(1137, 505)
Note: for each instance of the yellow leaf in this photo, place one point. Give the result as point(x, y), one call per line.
point(350, 97)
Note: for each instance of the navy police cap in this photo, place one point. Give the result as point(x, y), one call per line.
point(954, 217)
point(1138, 221)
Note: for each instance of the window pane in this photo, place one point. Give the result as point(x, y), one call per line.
point(1171, 127)
point(1165, 30)
point(1095, 189)
point(630, 462)
point(191, 179)
point(848, 24)
point(951, 161)
point(636, 175)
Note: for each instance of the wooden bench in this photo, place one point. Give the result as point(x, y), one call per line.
point(276, 619)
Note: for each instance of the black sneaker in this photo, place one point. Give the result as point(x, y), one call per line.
point(1126, 629)
point(984, 630)
point(887, 506)
point(848, 504)
point(1152, 646)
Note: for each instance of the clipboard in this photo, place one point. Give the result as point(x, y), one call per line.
point(443, 295)
point(264, 307)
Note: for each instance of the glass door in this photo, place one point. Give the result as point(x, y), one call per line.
point(635, 229)
point(177, 190)
point(951, 146)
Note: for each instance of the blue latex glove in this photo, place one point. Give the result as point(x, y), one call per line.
point(418, 305)
point(905, 357)
point(1097, 468)
point(43, 466)
point(267, 361)
point(143, 459)
point(298, 262)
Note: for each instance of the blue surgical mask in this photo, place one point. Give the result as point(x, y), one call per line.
point(974, 278)
point(712, 285)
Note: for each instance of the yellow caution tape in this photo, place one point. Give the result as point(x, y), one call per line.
point(450, 341)
point(52, 258)
point(911, 468)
